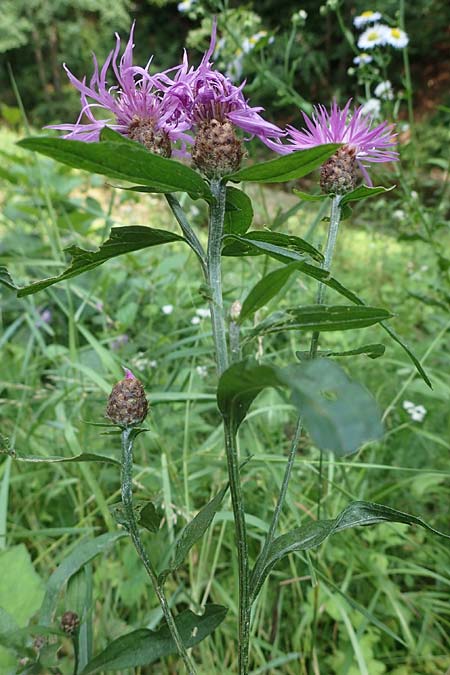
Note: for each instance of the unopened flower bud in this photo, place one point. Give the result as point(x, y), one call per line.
point(339, 173)
point(127, 404)
point(235, 310)
point(217, 150)
point(70, 622)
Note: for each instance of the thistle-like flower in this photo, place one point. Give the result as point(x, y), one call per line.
point(216, 107)
point(127, 404)
point(362, 142)
point(137, 106)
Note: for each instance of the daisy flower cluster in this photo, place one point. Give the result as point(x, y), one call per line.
point(376, 34)
point(416, 412)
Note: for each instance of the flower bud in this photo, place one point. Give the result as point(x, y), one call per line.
point(70, 622)
point(339, 173)
point(235, 310)
point(127, 404)
point(217, 150)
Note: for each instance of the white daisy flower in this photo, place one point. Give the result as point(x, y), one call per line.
point(375, 36)
point(202, 371)
point(396, 38)
point(362, 59)
point(416, 412)
point(384, 90)
point(365, 18)
point(195, 320)
point(186, 6)
point(203, 312)
point(372, 108)
point(167, 309)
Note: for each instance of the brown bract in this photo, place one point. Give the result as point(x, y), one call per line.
point(127, 404)
point(217, 150)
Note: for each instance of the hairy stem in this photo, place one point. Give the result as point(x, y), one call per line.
point(216, 221)
point(132, 526)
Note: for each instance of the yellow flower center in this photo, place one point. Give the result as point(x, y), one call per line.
point(395, 32)
point(367, 13)
point(373, 36)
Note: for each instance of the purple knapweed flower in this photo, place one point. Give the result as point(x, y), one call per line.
point(137, 106)
point(367, 143)
point(210, 97)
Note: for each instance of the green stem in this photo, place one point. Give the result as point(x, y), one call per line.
point(214, 254)
point(217, 213)
point(335, 216)
point(132, 526)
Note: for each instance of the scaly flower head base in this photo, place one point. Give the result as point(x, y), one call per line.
point(364, 142)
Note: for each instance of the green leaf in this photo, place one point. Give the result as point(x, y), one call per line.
point(196, 528)
point(81, 554)
point(238, 211)
point(313, 534)
point(326, 278)
point(280, 246)
point(339, 414)
point(122, 240)
point(264, 291)
point(310, 198)
point(373, 351)
point(288, 167)
point(127, 161)
point(21, 588)
point(362, 192)
point(142, 647)
point(321, 318)
point(38, 459)
point(6, 279)
point(144, 512)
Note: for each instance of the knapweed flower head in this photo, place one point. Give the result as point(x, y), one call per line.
point(127, 405)
point(216, 107)
point(137, 106)
point(374, 36)
point(362, 142)
point(366, 17)
point(396, 37)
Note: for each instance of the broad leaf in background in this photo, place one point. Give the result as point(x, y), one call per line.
point(339, 414)
point(126, 161)
point(321, 318)
point(121, 240)
point(142, 647)
point(288, 167)
point(314, 533)
point(81, 554)
point(280, 246)
point(266, 289)
point(238, 211)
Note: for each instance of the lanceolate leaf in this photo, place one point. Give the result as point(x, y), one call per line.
point(142, 647)
point(326, 278)
point(122, 240)
point(314, 533)
point(197, 528)
point(373, 351)
point(362, 192)
point(83, 457)
point(289, 167)
point(125, 161)
point(81, 554)
point(264, 291)
point(321, 318)
point(238, 211)
point(280, 246)
point(339, 414)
